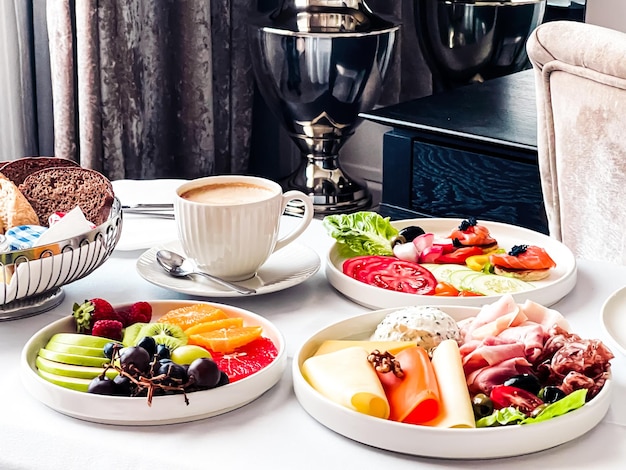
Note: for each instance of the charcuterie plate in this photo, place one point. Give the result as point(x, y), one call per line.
point(425, 441)
point(557, 285)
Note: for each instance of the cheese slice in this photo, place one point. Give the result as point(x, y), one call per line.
point(347, 378)
point(456, 406)
point(394, 347)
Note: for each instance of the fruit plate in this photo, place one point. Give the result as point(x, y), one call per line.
point(614, 318)
point(483, 443)
point(164, 409)
point(546, 292)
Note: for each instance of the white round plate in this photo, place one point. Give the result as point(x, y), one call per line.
point(164, 409)
point(483, 443)
point(286, 268)
point(546, 292)
point(614, 318)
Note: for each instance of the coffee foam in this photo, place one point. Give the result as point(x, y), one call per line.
point(228, 193)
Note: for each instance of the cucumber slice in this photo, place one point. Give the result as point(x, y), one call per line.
point(492, 284)
point(443, 272)
point(462, 280)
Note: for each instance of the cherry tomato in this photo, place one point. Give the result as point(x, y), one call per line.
point(506, 395)
point(459, 255)
point(446, 289)
point(391, 273)
point(469, 293)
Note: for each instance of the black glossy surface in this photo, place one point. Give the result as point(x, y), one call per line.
point(498, 112)
point(468, 151)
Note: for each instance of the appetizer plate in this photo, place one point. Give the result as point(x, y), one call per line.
point(483, 443)
point(614, 318)
point(164, 409)
point(288, 267)
point(546, 292)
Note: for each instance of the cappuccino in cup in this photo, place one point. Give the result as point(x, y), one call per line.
point(229, 224)
point(228, 193)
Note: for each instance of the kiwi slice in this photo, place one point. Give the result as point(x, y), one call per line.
point(131, 334)
point(171, 336)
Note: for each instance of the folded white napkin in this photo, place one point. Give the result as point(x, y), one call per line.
point(141, 232)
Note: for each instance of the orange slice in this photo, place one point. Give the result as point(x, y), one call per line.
point(226, 340)
point(214, 325)
point(188, 316)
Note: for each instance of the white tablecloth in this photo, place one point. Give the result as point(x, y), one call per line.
point(272, 432)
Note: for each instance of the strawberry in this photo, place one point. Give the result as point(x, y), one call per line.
point(139, 312)
point(111, 329)
point(91, 311)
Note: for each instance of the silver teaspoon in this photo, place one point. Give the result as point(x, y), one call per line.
point(173, 265)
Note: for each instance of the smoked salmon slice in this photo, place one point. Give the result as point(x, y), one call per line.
point(522, 257)
point(470, 233)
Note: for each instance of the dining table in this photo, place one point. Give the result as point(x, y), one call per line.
point(273, 431)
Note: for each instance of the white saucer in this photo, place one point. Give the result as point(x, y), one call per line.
point(286, 268)
point(614, 318)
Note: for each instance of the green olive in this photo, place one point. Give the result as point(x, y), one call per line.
point(538, 409)
point(482, 405)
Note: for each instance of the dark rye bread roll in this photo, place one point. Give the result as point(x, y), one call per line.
point(62, 189)
point(18, 170)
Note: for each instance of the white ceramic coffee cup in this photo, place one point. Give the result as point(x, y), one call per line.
point(231, 236)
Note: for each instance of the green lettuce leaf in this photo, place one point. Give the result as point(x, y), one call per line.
point(566, 404)
point(510, 414)
point(361, 233)
point(502, 417)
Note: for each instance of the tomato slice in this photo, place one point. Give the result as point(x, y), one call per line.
point(459, 255)
point(506, 395)
point(391, 273)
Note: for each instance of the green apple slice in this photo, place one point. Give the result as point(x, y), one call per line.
point(74, 349)
point(80, 340)
point(71, 370)
point(81, 385)
point(75, 359)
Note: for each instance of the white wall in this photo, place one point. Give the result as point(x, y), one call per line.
point(608, 13)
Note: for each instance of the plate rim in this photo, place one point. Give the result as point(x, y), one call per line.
point(338, 280)
point(36, 385)
point(306, 393)
point(608, 306)
point(313, 268)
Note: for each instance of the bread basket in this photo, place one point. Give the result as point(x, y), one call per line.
point(32, 279)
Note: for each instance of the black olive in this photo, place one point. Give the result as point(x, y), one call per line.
point(527, 382)
point(482, 405)
point(411, 233)
point(551, 394)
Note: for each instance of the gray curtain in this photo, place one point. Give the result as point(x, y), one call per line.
point(408, 76)
point(151, 88)
point(25, 94)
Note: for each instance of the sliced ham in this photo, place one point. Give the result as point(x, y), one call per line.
point(493, 318)
point(545, 316)
point(492, 352)
point(483, 380)
point(530, 334)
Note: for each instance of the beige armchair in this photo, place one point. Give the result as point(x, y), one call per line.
point(580, 72)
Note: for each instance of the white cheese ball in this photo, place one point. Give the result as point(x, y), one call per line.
point(428, 326)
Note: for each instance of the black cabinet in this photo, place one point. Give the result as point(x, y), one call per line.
point(466, 152)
